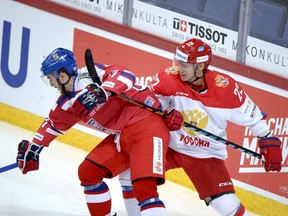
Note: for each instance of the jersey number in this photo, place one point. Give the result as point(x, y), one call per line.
point(238, 92)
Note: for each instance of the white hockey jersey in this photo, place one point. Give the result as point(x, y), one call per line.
point(223, 101)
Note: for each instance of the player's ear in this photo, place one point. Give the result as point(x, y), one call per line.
point(63, 76)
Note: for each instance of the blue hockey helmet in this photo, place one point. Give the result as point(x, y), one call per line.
point(59, 59)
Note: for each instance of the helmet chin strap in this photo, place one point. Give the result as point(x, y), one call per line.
point(195, 71)
point(63, 84)
point(198, 87)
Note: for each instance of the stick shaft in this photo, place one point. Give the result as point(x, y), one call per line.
point(199, 130)
point(8, 167)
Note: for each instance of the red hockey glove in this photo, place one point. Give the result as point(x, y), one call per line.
point(28, 156)
point(270, 148)
point(88, 98)
point(174, 119)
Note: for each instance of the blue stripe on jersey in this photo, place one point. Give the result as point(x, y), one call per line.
point(63, 98)
point(100, 66)
point(263, 113)
point(53, 128)
point(129, 76)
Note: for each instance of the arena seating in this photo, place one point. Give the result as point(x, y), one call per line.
point(268, 20)
point(186, 7)
point(284, 39)
point(225, 13)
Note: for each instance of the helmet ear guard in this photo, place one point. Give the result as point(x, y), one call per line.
point(194, 51)
point(58, 60)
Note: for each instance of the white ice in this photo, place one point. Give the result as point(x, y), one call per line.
point(54, 190)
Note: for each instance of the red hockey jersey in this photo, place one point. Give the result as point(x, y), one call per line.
point(111, 116)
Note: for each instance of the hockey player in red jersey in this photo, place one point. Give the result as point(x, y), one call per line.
point(137, 138)
point(209, 99)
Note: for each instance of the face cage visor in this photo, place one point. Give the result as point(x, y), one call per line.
point(177, 63)
point(45, 78)
point(183, 57)
point(181, 60)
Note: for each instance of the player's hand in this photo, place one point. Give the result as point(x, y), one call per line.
point(88, 98)
point(174, 119)
point(270, 148)
point(28, 156)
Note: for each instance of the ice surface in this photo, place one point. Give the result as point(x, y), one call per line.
point(54, 190)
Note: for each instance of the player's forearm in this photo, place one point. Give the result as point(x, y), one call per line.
point(46, 134)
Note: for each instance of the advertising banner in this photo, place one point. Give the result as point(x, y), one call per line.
point(111, 10)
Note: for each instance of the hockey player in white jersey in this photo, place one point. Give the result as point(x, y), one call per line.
point(209, 99)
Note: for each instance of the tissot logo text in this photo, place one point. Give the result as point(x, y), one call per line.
point(199, 31)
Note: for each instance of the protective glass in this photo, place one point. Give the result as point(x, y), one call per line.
point(184, 65)
point(47, 78)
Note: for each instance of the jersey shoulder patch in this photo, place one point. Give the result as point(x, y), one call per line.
point(221, 81)
point(172, 70)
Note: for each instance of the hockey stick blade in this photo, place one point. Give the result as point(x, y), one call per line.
point(90, 66)
point(8, 167)
point(199, 130)
point(91, 69)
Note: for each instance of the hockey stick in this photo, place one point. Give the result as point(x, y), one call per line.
point(90, 66)
point(194, 128)
point(8, 167)
point(91, 69)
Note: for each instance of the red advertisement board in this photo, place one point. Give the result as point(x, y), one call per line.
point(243, 168)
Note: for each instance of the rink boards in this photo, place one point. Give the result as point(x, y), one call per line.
point(23, 93)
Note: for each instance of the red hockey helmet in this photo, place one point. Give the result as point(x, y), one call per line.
point(194, 51)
